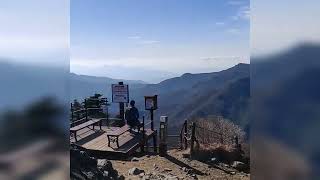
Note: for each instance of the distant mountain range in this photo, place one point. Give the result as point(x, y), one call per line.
point(82, 86)
point(223, 93)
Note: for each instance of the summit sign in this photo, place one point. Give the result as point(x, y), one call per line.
point(120, 93)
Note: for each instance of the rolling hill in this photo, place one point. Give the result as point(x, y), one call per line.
point(224, 93)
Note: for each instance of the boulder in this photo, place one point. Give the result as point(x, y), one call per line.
point(135, 159)
point(240, 166)
point(105, 165)
point(135, 171)
point(82, 166)
point(167, 169)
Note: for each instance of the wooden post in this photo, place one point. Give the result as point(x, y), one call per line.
point(155, 141)
point(155, 132)
point(163, 135)
point(238, 146)
point(143, 131)
point(151, 118)
point(86, 108)
point(185, 134)
point(121, 106)
point(193, 133)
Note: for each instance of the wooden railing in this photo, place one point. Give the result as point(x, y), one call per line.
point(81, 114)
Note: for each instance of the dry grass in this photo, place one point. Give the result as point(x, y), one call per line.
point(216, 131)
point(216, 138)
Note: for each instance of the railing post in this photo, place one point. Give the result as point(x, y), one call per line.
point(71, 112)
point(185, 134)
point(193, 133)
point(238, 146)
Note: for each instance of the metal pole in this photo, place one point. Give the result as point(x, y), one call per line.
point(121, 106)
point(143, 136)
point(71, 112)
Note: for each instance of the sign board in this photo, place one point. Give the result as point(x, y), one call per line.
point(150, 102)
point(120, 93)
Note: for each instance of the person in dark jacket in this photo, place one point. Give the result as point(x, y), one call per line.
point(132, 116)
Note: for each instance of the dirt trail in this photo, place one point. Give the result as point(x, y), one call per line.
point(174, 166)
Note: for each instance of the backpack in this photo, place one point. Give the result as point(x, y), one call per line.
point(129, 115)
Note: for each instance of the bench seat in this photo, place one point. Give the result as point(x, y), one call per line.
point(91, 122)
point(114, 135)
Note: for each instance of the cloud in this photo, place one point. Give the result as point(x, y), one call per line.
point(149, 42)
point(242, 14)
point(220, 23)
point(219, 58)
point(141, 40)
point(134, 37)
point(233, 31)
point(235, 2)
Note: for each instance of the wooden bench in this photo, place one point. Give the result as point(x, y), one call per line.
point(114, 135)
point(91, 122)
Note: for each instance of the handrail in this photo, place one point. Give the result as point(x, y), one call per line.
point(93, 108)
point(148, 123)
point(79, 110)
point(173, 135)
point(78, 120)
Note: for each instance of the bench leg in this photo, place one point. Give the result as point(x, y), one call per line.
point(100, 124)
point(118, 141)
point(93, 127)
point(75, 135)
point(108, 141)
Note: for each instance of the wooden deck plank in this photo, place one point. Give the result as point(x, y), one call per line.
point(98, 141)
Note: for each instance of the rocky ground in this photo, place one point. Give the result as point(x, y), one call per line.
point(175, 166)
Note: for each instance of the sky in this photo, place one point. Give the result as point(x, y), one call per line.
point(35, 31)
point(151, 40)
point(154, 40)
point(280, 25)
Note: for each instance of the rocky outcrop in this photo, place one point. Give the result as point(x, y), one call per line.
point(83, 167)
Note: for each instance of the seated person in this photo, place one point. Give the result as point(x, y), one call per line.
point(132, 116)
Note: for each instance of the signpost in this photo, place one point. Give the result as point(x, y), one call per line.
point(151, 104)
point(120, 94)
point(163, 135)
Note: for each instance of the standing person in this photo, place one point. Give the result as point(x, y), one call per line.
point(132, 116)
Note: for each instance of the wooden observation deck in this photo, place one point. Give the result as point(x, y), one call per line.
point(92, 133)
point(95, 142)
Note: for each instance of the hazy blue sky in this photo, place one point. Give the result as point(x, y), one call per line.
point(131, 39)
point(278, 25)
point(35, 31)
point(151, 39)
